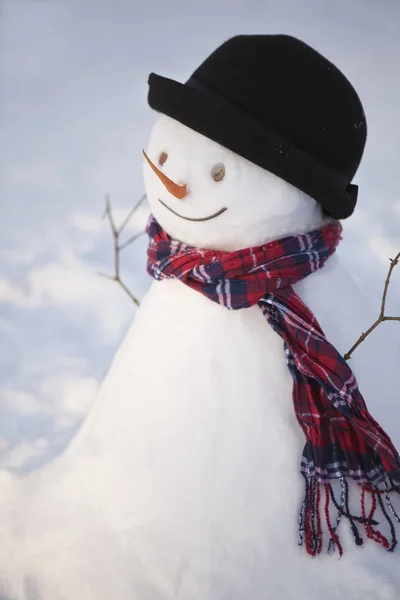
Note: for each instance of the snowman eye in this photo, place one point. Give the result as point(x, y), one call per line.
point(218, 172)
point(162, 158)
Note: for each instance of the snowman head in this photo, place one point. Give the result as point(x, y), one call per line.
point(263, 138)
point(208, 196)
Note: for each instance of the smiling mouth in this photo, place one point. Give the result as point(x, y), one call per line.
point(222, 210)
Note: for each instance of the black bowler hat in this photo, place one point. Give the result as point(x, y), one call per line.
point(277, 102)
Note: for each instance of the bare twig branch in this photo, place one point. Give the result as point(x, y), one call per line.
point(131, 240)
point(116, 232)
point(112, 277)
point(393, 263)
point(129, 216)
point(108, 214)
point(382, 317)
point(127, 290)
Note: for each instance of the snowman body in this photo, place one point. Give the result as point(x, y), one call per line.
point(183, 482)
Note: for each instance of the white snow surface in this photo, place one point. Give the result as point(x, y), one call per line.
point(183, 482)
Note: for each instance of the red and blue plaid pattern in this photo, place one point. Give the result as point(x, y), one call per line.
point(342, 439)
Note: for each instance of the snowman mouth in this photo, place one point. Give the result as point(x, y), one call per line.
point(213, 216)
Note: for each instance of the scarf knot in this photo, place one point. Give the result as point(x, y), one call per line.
point(342, 438)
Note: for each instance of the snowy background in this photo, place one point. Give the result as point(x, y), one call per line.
point(73, 120)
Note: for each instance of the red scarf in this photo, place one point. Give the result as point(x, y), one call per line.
point(342, 438)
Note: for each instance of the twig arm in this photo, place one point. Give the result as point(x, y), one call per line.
point(116, 232)
point(362, 337)
point(382, 317)
point(393, 263)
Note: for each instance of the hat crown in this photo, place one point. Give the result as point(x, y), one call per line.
point(287, 86)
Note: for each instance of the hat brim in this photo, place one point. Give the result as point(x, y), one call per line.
point(226, 124)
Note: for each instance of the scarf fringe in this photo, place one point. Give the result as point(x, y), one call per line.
point(310, 525)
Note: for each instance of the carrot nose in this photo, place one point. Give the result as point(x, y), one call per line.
point(179, 191)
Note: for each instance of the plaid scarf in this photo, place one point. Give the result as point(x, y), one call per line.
point(342, 439)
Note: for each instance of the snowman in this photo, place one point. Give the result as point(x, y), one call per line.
point(230, 453)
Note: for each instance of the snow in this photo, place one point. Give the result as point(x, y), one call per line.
point(183, 482)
